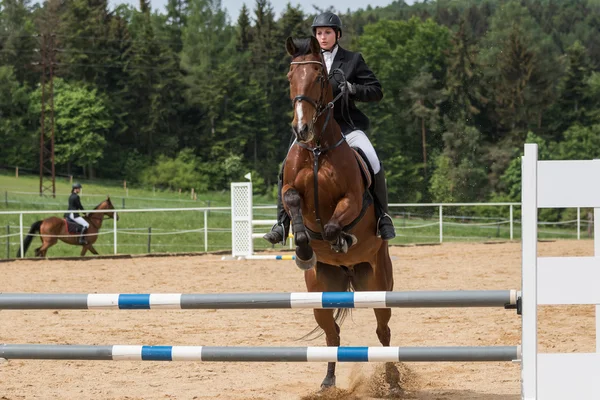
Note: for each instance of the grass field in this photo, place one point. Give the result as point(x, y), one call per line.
point(183, 231)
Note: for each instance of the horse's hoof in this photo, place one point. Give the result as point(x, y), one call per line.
point(341, 246)
point(305, 265)
point(328, 383)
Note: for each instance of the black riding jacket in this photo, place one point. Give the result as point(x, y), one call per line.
point(74, 204)
point(368, 89)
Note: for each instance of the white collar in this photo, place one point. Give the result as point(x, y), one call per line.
point(329, 56)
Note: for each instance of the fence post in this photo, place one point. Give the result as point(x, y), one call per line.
point(149, 238)
point(441, 225)
point(511, 222)
point(8, 241)
point(123, 201)
point(205, 230)
point(578, 223)
point(115, 231)
point(21, 234)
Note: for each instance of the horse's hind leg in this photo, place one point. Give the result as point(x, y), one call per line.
point(92, 249)
point(46, 244)
point(305, 256)
point(327, 278)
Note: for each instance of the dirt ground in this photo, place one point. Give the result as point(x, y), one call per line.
point(447, 267)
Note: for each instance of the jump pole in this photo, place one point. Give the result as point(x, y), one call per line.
point(413, 299)
point(258, 354)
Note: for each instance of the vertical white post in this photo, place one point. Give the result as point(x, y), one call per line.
point(21, 234)
point(578, 223)
point(115, 232)
point(441, 225)
point(597, 254)
point(241, 219)
point(511, 221)
point(205, 231)
point(529, 210)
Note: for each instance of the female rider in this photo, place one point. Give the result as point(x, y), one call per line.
point(361, 85)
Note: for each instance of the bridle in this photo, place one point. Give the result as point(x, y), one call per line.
point(106, 214)
point(319, 105)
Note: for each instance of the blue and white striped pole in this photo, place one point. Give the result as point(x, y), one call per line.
point(416, 299)
point(259, 354)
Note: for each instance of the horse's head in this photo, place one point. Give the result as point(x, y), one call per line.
point(106, 205)
point(309, 86)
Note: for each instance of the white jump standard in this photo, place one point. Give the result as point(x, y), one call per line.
point(243, 223)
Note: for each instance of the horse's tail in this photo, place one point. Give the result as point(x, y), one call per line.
point(339, 317)
point(35, 228)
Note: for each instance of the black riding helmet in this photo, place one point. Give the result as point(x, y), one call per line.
point(328, 19)
point(76, 185)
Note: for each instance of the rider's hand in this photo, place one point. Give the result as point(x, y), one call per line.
point(347, 87)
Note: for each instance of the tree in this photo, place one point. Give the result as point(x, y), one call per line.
point(573, 104)
point(522, 69)
point(82, 120)
point(17, 41)
point(20, 143)
point(464, 88)
point(425, 107)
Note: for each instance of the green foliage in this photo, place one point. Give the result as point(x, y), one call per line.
point(580, 143)
point(186, 97)
point(18, 142)
point(81, 121)
point(182, 172)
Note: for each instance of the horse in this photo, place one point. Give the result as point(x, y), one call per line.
point(53, 228)
point(329, 204)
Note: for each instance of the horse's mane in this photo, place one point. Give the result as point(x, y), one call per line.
point(302, 46)
point(103, 201)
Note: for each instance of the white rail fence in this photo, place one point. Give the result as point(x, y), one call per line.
point(402, 227)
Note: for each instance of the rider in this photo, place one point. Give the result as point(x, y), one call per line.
point(361, 85)
point(75, 205)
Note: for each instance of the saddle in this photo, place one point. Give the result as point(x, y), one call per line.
point(73, 228)
point(365, 167)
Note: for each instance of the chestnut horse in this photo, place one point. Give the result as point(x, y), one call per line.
point(324, 192)
point(53, 228)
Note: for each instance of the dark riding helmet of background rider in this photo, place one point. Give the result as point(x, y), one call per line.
point(327, 19)
point(76, 185)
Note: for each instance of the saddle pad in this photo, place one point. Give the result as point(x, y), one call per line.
point(73, 228)
point(364, 168)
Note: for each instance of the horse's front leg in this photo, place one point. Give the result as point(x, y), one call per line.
point(346, 210)
point(305, 256)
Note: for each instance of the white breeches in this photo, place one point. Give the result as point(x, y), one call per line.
point(359, 139)
point(80, 221)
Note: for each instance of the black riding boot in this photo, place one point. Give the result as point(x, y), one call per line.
point(279, 231)
point(385, 226)
point(82, 236)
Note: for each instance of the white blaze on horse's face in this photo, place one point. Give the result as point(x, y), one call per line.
point(299, 122)
point(304, 83)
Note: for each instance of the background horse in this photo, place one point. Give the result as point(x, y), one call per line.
point(324, 193)
point(54, 228)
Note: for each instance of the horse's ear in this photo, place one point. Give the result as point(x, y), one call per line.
point(107, 198)
point(315, 48)
point(290, 46)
